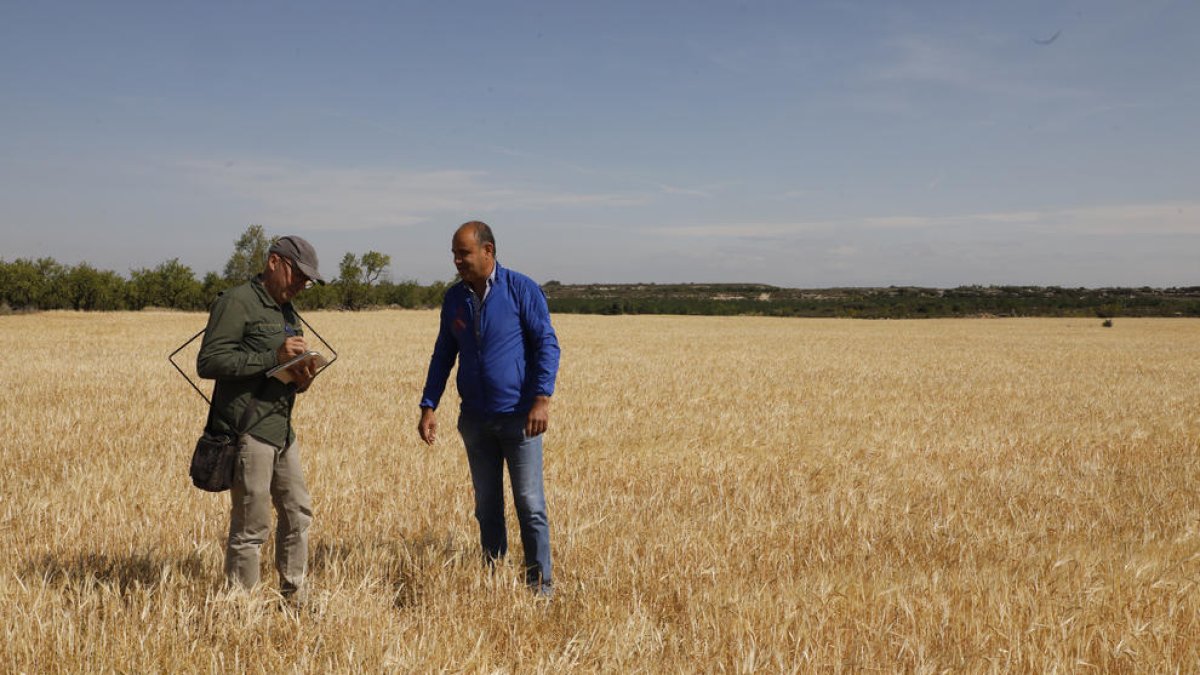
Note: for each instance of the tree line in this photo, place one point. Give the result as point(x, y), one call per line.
point(44, 284)
point(873, 303)
point(362, 282)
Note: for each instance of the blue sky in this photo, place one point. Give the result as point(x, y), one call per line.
point(804, 144)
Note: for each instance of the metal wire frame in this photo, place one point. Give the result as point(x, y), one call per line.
point(192, 339)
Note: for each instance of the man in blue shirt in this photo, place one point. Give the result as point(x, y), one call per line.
point(495, 322)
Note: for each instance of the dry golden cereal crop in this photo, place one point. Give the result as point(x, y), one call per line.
point(725, 494)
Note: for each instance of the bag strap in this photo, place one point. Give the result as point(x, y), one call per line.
point(251, 409)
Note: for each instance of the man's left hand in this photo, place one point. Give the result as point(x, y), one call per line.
point(303, 374)
point(539, 417)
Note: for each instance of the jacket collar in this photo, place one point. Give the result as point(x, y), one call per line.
point(257, 284)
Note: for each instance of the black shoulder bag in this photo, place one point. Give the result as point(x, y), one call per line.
point(215, 455)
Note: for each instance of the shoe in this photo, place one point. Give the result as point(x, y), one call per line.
point(296, 601)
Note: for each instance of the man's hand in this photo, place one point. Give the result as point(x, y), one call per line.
point(290, 349)
point(303, 374)
point(427, 427)
point(539, 417)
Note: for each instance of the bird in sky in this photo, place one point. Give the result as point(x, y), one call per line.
point(1050, 39)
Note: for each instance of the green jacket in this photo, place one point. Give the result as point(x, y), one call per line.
point(245, 328)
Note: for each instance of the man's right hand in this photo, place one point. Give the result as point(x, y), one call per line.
point(290, 349)
point(427, 427)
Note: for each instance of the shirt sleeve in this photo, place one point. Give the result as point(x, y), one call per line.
point(540, 337)
point(445, 351)
point(222, 352)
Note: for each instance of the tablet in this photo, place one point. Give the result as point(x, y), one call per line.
point(310, 354)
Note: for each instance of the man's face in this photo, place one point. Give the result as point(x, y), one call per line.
point(473, 262)
point(283, 280)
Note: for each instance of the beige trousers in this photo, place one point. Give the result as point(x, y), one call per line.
point(265, 474)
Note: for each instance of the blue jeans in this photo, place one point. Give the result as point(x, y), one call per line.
point(491, 441)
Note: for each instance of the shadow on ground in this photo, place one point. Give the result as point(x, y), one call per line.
point(122, 570)
point(404, 565)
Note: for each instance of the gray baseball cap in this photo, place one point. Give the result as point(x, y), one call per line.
point(299, 251)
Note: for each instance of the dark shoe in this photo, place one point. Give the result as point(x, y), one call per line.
point(296, 602)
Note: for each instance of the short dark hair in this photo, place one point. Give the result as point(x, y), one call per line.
point(483, 233)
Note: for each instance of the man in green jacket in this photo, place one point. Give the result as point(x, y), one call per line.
point(251, 329)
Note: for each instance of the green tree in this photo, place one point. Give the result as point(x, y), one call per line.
point(374, 263)
point(29, 284)
point(435, 292)
point(55, 293)
point(212, 286)
point(249, 255)
point(403, 294)
point(351, 288)
point(171, 284)
point(349, 271)
point(21, 284)
point(91, 289)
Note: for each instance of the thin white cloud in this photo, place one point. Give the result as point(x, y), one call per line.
point(321, 198)
point(1162, 218)
point(749, 230)
point(542, 159)
point(918, 59)
point(1128, 219)
point(690, 192)
point(622, 177)
point(931, 222)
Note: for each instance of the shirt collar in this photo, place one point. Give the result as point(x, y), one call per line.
point(487, 283)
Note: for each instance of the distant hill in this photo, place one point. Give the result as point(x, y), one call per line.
point(875, 303)
point(31, 285)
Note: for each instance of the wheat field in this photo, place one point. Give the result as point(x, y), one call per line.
point(725, 495)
